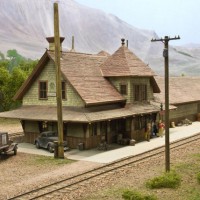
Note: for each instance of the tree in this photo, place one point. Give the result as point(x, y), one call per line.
point(15, 58)
point(13, 72)
point(2, 57)
point(13, 83)
point(4, 78)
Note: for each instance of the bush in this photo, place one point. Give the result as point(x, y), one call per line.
point(135, 195)
point(167, 180)
point(198, 177)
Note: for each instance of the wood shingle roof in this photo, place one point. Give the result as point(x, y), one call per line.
point(84, 74)
point(84, 115)
point(125, 63)
point(181, 89)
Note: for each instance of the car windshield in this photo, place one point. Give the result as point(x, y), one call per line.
point(51, 134)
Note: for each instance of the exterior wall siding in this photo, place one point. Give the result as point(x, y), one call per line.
point(183, 111)
point(48, 74)
point(130, 81)
point(75, 130)
point(116, 83)
point(31, 126)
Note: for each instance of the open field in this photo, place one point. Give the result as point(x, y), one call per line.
point(185, 161)
point(10, 125)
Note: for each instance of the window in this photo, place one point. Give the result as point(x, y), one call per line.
point(123, 89)
point(140, 92)
point(43, 90)
point(63, 90)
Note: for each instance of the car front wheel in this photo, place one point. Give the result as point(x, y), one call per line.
point(50, 148)
point(37, 145)
point(15, 151)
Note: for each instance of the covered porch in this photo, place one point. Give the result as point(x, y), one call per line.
point(86, 126)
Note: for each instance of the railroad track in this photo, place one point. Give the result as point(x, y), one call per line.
point(67, 185)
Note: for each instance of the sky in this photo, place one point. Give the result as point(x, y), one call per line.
point(165, 17)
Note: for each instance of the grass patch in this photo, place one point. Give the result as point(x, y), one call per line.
point(197, 155)
point(193, 194)
point(198, 177)
point(167, 180)
point(46, 160)
point(136, 195)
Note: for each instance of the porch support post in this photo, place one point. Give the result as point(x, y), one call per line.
point(87, 133)
point(132, 128)
point(108, 131)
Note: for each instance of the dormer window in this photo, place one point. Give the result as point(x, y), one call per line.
point(43, 90)
point(140, 93)
point(123, 89)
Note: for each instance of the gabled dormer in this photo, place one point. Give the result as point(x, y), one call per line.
point(130, 75)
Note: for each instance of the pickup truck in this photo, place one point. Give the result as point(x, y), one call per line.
point(6, 145)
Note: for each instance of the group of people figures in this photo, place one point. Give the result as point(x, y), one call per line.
point(154, 130)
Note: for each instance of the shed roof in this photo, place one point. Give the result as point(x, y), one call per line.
point(181, 89)
point(84, 115)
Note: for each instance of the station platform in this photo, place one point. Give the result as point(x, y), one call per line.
point(116, 152)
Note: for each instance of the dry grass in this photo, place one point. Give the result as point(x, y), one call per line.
point(10, 125)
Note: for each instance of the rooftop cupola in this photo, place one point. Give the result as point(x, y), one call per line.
point(52, 44)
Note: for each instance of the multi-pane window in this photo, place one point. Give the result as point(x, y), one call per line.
point(43, 90)
point(123, 89)
point(140, 92)
point(63, 90)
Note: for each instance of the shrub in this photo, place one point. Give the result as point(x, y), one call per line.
point(135, 195)
point(198, 177)
point(167, 180)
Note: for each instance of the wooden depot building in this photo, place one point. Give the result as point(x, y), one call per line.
point(103, 97)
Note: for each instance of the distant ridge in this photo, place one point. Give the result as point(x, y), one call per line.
point(26, 24)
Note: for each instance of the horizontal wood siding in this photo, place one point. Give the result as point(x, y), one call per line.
point(48, 74)
point(183, 111)
point(89, 143)
point(117, 81)
point(30, 137)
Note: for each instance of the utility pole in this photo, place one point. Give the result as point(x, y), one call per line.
point(58, 82)
point(166, 56)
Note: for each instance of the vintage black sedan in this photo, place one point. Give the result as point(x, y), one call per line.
point(7, 145)
point(46, 140)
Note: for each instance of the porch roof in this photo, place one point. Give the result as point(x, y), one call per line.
point(83, 115)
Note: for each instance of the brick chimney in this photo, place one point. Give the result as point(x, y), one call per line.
point(123, 41)
point(72, 50)
point(52, 44)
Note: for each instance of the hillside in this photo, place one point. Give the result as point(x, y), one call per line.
point(28, 22)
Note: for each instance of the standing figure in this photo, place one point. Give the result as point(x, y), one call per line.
point(154, 129)
point(161, 127)
point(148, 132)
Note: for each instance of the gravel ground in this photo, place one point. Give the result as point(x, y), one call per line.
point(22, 172)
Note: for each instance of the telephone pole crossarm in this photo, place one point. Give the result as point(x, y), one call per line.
point(165, 39)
